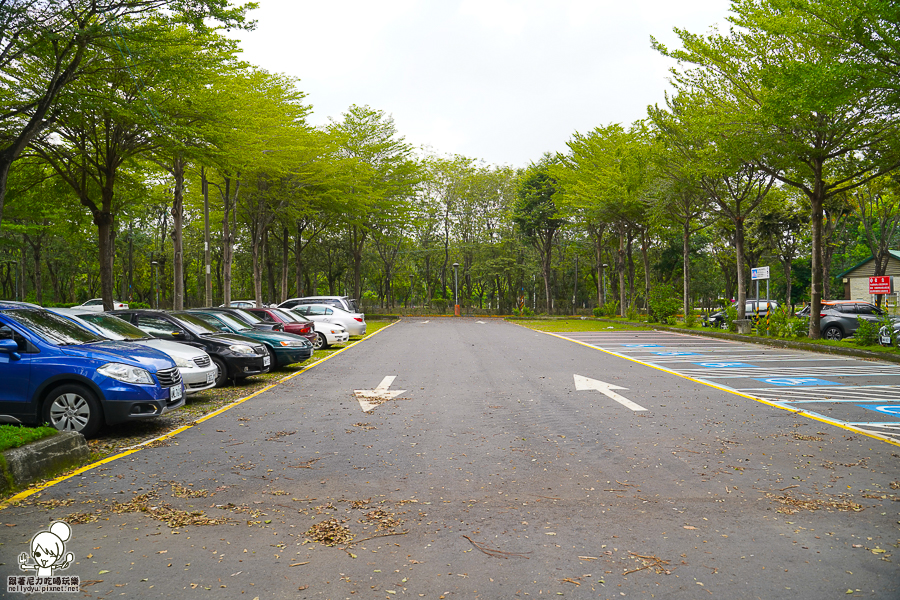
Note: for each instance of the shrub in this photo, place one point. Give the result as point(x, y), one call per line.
point(527, 312)
point(597, 311)
point(664, 303)
point(439, 304)
point(731, 315)
point(779, 321)
point(610, 309)
point(671, 320)
point(799, 327)
point(632, 314)
point(866, 333)
point(690, 319)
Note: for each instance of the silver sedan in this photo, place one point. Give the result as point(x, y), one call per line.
point(355, 323)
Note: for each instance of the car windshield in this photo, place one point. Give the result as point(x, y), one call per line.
point(114, 328)
point(53, 328)
point(218, 319)
point(194, 324)
point(287, 316)
point(246, 317)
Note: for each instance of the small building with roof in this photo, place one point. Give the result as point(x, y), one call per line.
point(856, 278)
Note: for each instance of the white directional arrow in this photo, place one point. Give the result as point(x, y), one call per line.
point(585, 383)
point(369, 399)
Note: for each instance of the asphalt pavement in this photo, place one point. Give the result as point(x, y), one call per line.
point(493, 461)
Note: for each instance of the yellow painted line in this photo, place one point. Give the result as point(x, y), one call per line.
point(127, 452)
point(729, 390)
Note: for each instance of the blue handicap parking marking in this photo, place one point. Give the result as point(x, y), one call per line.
point(887, 409)
point(677, 353)
point(797, 381)
point(642, 345)
point(726, 365)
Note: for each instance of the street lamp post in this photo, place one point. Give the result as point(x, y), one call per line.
point(456, 289)
point(154, 266)
point(603, 281)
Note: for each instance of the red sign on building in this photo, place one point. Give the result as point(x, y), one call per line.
point(881, 285)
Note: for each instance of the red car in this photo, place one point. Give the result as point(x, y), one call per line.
point(293, 323)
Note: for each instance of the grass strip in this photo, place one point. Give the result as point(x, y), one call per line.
point(14, 436)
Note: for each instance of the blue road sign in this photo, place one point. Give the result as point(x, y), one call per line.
point(726, 365)
point(797, 381)
point(887, 409)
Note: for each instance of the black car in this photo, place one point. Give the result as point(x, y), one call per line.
point(235, 356)
point(246, 317)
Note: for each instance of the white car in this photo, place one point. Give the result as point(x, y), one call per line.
point(198, 372)
point(328, 334)
point(96, 305)
point(355, 323)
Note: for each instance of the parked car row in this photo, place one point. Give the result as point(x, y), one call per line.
point(838, 319)
point(752, 310)
point(79, 368)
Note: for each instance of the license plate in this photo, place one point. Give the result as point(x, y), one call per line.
point(210, 377)
point(886, 340)
point(266, 361)
point(175, 393)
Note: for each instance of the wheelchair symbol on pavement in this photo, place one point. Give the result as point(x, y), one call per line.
point(797, 381)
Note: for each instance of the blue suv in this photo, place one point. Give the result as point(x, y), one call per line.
point(53, 371)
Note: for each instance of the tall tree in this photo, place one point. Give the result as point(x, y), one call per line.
point(537, 217)
point(382, 173)
point(790, 96)
point(45, 46)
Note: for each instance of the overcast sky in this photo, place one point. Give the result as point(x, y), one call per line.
point(498, 80)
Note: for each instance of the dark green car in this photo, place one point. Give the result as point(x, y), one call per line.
point(285, 348)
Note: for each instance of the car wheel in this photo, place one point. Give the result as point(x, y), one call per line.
point(221, 371)
point(73, 407)
point(833, 332)
point(321, 342)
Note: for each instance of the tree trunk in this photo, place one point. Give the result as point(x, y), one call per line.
point(620, 268)
point(285, 255)
point(739, 256)
point(228, 239)
point(178, 235)
point(816, 207)
point(206, 258)
point(686, 264)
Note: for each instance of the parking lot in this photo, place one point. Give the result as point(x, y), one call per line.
point(846, 392)
point(463, 458)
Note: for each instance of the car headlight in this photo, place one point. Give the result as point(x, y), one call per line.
point(241, 349)
point(294, 343)
point(182, 363)
point(126, 373)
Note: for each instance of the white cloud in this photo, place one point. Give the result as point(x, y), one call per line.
point(500, 80)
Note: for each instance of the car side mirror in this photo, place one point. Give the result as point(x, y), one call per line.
point(10, 347)
point(179, 335)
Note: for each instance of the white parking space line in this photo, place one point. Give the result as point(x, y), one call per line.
point(798, 387)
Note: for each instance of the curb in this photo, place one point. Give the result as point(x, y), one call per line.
point(42, 459)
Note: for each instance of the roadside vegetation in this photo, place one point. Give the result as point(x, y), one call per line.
point(14, 436)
